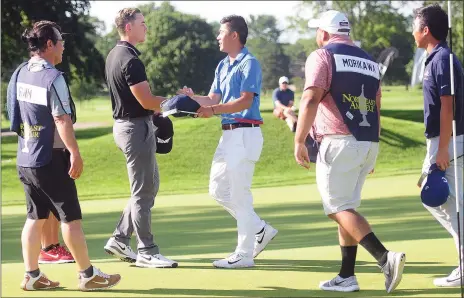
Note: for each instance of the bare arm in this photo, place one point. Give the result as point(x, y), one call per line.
point(310, 100)
point(446, 129)
point(147, 100)
point(211, 99)
point(446, 120)
point(65, 129)
point(238, 105)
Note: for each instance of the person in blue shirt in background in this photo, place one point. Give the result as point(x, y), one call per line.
point(283, 99)
point(235, 93)
point(430, 32)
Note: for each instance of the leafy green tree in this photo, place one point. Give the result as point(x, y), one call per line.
point(298, 52)
point(378, 25)
point(457, 24)
point(215, 26)
point(73, 18)
point(264, 44)
point(274, 63)
point(105, 43)
point(264, 26)
point(180, 49)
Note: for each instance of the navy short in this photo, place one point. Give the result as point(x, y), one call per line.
point(50, 189)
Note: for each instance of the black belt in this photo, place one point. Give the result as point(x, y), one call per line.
point(237, 125)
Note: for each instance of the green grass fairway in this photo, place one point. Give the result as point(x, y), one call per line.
point(96, 110)
point(194, 230)
point(186, 168)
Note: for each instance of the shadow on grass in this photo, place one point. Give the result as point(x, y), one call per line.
point(81, 134)
point(393, 138)
point(273, 291)
point(90, 133)
point(9, 140)
point(326, 266)
point(410, 115)
point(203, 230)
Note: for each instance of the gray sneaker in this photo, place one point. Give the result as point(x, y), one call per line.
point(393, 270)
point(340, 284)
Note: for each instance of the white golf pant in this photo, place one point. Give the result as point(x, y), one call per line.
point(230, 181)
point(446, 213)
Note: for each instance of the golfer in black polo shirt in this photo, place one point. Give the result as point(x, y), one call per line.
point(133, 105)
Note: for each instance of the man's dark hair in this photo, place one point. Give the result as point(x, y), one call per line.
point(41, 32)
point(237, 24)
point(125, 16)
point(434, 17)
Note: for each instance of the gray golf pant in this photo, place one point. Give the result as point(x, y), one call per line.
point(136, 139)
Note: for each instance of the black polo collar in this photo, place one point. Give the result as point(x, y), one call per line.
point(122, 43)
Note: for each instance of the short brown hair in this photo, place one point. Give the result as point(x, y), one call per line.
point(41, 32)
point(125, 16)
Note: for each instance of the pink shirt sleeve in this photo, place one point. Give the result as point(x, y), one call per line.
point(318, 70)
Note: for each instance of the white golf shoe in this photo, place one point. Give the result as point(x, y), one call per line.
point(452, 280)
point(154, 261)
point(235, 260)
point(263, 238)
point(120, 250)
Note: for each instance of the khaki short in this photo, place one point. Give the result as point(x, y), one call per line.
point(342, 166)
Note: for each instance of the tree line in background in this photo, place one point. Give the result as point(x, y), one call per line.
point(181, 49)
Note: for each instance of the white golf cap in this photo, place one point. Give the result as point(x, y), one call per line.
point(333, 22)
point(283, 79)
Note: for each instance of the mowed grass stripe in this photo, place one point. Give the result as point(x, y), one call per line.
point(194, 230)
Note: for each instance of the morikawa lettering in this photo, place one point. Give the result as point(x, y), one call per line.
point(359, 64)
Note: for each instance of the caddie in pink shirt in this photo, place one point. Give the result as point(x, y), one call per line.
point(341, 106)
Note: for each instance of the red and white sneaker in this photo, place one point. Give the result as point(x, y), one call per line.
point(56, 255)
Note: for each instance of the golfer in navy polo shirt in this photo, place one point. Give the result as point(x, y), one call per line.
point(237, 84)
point(283, 99)
point(430, 32)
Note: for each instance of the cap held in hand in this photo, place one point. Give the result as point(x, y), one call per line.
point(164, 134)
point(179, 106)
point(435, 190)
